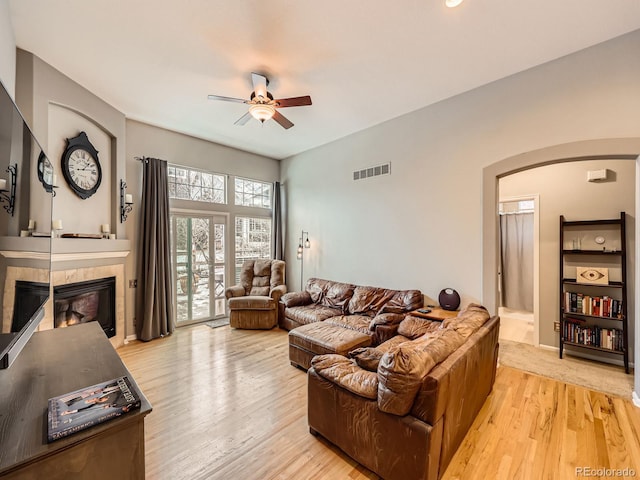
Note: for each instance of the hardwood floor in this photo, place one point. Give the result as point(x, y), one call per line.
point(228, 405)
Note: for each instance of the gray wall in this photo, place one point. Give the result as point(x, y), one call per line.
point(58, 108)
point(563, 190)
point(421, 226)
point(148, 141)
point(7, 49)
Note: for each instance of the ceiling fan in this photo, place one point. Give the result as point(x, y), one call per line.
point(262, 106)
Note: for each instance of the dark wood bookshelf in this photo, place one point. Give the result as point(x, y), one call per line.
point(617, 290)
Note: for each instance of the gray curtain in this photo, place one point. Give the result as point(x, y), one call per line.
point(154, 295)
point(516, 261)
point(277, 248)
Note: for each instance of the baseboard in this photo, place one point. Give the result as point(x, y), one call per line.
point(595, 358)
point(130, 338)
point(636, 399)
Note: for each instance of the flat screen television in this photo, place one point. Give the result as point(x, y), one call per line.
point(25, 251)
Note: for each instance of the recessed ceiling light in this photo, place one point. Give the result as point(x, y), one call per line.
point(452, 3)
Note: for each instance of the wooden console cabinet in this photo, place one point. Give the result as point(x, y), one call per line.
point(52, 363)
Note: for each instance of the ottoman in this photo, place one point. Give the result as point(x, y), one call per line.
point(319, 338)
point(253, 312)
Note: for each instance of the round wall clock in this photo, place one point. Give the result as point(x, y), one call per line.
point(81, 167)
point(45, 172)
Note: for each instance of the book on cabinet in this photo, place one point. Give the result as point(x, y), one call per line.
point(593, 287)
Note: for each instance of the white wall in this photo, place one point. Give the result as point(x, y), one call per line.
point(421, 226)
point(564, 190)
point(7, 49)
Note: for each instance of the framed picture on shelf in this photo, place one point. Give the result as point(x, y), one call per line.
point(592, 275)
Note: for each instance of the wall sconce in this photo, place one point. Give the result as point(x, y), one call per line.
point(300, 255)
point(9, 196)
point(126, 202)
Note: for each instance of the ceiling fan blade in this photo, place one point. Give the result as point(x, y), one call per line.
point(282, 120)
point(294, 102)
point(260, 83)
point(243, 119)
point(226, 99)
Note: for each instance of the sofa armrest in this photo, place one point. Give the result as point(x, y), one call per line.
point(277, 292)
point(344, 372)
point(382, 333)
point(234, 291)
point(296, 299)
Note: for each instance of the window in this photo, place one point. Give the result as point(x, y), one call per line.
point(253, 240)
point(190, 184)
point(251, 193)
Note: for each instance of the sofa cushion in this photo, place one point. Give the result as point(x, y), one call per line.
point(295, 299)
point(252, 302)
point(403, 301)
point(386, 319)
point(368, 300)
point(337, 295)
point(414, 327)
point(354, 322)
point(371, 301)
point(310, 313)
point(345, 373)
point(316, 288)
point(468, 320)
point(402, 368)
point(392, 342)
point(367, 357)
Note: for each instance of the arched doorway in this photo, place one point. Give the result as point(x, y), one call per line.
point(624, 148)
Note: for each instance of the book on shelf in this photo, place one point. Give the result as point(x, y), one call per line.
point(78, 410)
point(604, 306)
point(576, 331)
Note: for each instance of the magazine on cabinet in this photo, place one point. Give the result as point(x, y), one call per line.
point(81, 409)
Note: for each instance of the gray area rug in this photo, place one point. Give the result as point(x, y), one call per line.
point(221, 322)
point(593, 375)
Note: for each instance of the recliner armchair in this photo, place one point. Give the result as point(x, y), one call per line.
point(253, 303)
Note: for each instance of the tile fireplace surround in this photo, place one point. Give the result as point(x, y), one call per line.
point(72, 261)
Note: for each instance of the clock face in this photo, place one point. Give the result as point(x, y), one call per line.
point(83, 169)
point(45, 172)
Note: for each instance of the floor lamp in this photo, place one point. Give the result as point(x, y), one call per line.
point(300, 255)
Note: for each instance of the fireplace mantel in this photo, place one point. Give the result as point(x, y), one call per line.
point(63, 249)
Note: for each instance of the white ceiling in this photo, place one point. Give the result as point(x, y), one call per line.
point(361, 62)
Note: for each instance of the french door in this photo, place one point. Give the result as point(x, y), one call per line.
point(198, 243)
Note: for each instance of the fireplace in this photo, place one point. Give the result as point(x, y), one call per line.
point(82, 302)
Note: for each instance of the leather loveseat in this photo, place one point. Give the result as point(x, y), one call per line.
point(402, 409)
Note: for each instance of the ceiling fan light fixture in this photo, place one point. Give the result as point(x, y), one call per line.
point(452, 3)
point(261, 111)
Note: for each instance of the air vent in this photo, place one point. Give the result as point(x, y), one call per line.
point(384, 169)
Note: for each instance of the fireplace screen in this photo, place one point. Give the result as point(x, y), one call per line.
point(92, 301)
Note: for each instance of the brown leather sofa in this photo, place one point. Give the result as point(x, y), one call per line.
point(349, 305)
point(402, 409)
point(335, 317)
